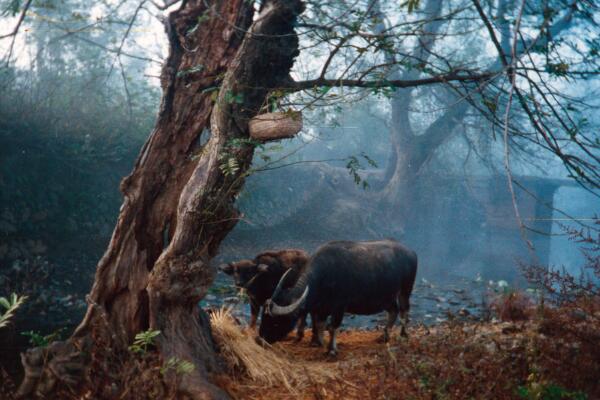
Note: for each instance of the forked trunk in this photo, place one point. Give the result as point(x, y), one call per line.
point(179, 199)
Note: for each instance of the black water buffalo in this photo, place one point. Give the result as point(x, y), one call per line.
point(260, 276)
point(355, 277)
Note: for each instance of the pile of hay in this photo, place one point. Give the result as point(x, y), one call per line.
point(265, 365)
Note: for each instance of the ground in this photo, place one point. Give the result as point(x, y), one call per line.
point(485, 360)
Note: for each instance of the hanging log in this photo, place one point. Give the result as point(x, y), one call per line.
point(275, 125)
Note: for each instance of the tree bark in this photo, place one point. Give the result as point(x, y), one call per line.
point(179, 199)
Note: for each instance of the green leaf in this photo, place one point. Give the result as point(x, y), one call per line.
point(11, 307)
point(201, 19)
point(143, 340)
point(370, 161)
point(13, 7)
point(558, 69)
point(411, 5)
point(231, 97)
point(4, 302)
point(229, 166)
point(39, 340)
point(181, 367)
point(490, 105)
point(324, 89)
point(194, 69)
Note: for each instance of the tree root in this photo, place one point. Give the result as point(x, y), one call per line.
point(60, 364)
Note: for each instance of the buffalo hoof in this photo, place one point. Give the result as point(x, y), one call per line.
point(331, 353)
point(298, 339)
point(316, 343)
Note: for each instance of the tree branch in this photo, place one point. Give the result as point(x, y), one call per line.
point(14, 32)
point(19, 21)
point(394, 83)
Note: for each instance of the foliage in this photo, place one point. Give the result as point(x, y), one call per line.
point(68, 133)
point(411, 5)
point(10, 304)
point(143, 341)
point(192, 70)
point(229, 166)
point(512, 305)
point(181, 367)
point(570, 315)
point(231, 97)
point(38, 340)
point(353, 166)
point(547, 391)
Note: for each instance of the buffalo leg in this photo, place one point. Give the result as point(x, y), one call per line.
point(254, 310)
point(301, 327)
point(318, 330)
point(404, 307)
point(392, 315)
point(404, 323)
point(336, 321)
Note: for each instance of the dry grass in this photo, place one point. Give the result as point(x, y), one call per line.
point(264, 365)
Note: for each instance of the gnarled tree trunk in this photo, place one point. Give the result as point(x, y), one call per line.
point(179, 198)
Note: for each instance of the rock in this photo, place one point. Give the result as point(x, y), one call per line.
point(491, 347)
point(468, 329)
point(463, 312)
point(511, 328)
point(231, 300)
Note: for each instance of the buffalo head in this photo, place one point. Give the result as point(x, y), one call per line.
point(282, 311)
point(243, 271)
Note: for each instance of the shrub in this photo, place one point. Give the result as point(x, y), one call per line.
point(513, 305)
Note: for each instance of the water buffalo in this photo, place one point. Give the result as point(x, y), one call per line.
point(260, 276)
point(355, 277)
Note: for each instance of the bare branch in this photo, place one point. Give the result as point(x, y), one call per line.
point(165, 5)
point(19, 21)
point(394, 83)
point(15, 31)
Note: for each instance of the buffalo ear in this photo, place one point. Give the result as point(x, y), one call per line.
point(227, 268)
point(262, 268)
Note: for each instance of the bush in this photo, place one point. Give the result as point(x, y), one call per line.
point(513, 305)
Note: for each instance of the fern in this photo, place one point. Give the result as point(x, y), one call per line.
point(38, 340)
point(181, 367)
point(11, 305)
point(229, 166)
point(143, 340)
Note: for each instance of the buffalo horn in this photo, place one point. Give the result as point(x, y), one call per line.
point(280, 284)
point(278, 310)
